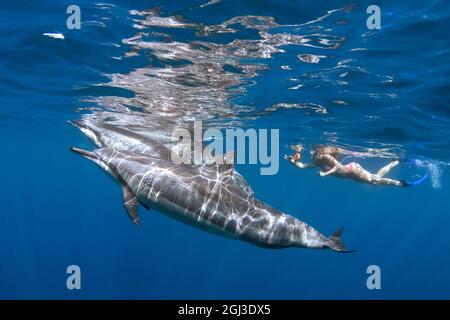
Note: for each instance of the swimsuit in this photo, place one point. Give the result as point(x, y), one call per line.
point(349, 167)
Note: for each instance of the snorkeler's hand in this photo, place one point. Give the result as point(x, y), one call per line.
point(322, 174)
point(288, 158)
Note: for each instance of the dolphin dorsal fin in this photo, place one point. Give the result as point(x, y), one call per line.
point(242, 183)
point(227, 166)
point(131, 203)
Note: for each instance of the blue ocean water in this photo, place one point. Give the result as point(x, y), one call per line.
point(313, 70)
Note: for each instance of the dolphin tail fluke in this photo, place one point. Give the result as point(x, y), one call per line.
point(336, 242)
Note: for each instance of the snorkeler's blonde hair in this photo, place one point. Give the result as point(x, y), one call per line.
point(323, 149)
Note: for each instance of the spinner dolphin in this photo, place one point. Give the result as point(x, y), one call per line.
point(209, 197)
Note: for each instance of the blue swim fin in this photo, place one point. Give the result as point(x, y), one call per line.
point(414, 183)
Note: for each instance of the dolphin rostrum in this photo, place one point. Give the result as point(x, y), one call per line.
point(208, 197)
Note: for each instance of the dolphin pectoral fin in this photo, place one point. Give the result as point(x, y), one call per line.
point(131, 203)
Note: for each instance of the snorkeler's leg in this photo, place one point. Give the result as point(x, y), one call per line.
point(383, 171)
point(361, 174)
point(388, 182)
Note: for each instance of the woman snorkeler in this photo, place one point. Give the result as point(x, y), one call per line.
point(326, 159)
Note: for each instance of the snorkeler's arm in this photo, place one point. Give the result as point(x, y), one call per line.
point(304, 165)
point(335, 167)
point(331, 159)
point(332, 170)
point(298, 163)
